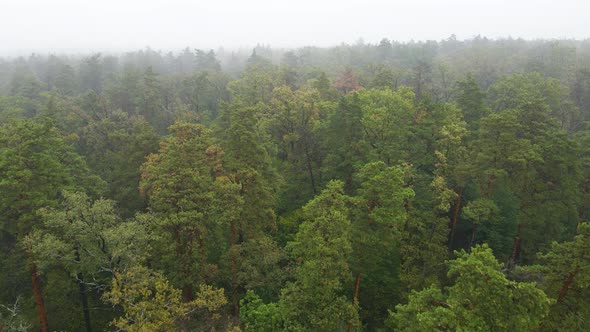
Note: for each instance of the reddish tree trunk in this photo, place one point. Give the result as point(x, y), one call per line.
point(582, 208)
point(355, 295)
point(473, 235)
point(357, 284)
point(516, 246)
point(310, 170)
point(567, 284)
point(234, 270)
point(39, 304)
point(84, 300)
point(187, 292)
point(183, 253)
point(201, 246)
point(83, 295)
point(456, 215)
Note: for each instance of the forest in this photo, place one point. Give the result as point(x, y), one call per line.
point(396, 186)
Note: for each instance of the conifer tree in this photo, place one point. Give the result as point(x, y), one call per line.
point(480, 298)
point(316, 299)
point(36, 164)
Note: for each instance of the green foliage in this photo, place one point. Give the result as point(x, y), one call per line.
point(471, 100)
point(262, 267)
point(203, 92)
point(385, 77)
point(152, 102)
point(380, 216)
point(258, 316)
point(520, 90)
point(36, 164)
point(345, 137)
point(87, 237)
point(150, 303)
point(115, 147)
point(11, 319)
point(249, 165)
point(564, 274)
point(25, 83)
point(180, 184)
point(295, 121)
point(256, 84)
point(14, 107)
point(91, 73)
point(314, 301)
point(386, 118)
point(523, 150)
point(450, 144)
point(384, 192)
point(480, 210)
point(479, 299)
point(424, 238)
point(82, 244)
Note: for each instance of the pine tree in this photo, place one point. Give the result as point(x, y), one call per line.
point(480, 298)
point(36, 164)
point(322, 246)
point(180, 184)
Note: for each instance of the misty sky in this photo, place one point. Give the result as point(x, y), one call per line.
point(70, 25)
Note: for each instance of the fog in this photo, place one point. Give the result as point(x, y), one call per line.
point(79, 25)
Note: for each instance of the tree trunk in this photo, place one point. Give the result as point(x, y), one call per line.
point(455, 216)
point(582, 209)
point(184, 258)
point(83, 296)
point(567, 284)
point(355, 295)
point(473, 234)
point(515, 247)
point(39, 304)
point(202, 254)
point(310, 170)
point(424, 267)
point(234, 270)
point(357, 284)
point(187, 293)
point(84, 299)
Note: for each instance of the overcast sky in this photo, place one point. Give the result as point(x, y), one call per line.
point(70, 25)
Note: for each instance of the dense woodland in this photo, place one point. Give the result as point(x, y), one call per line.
point(418, 186)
